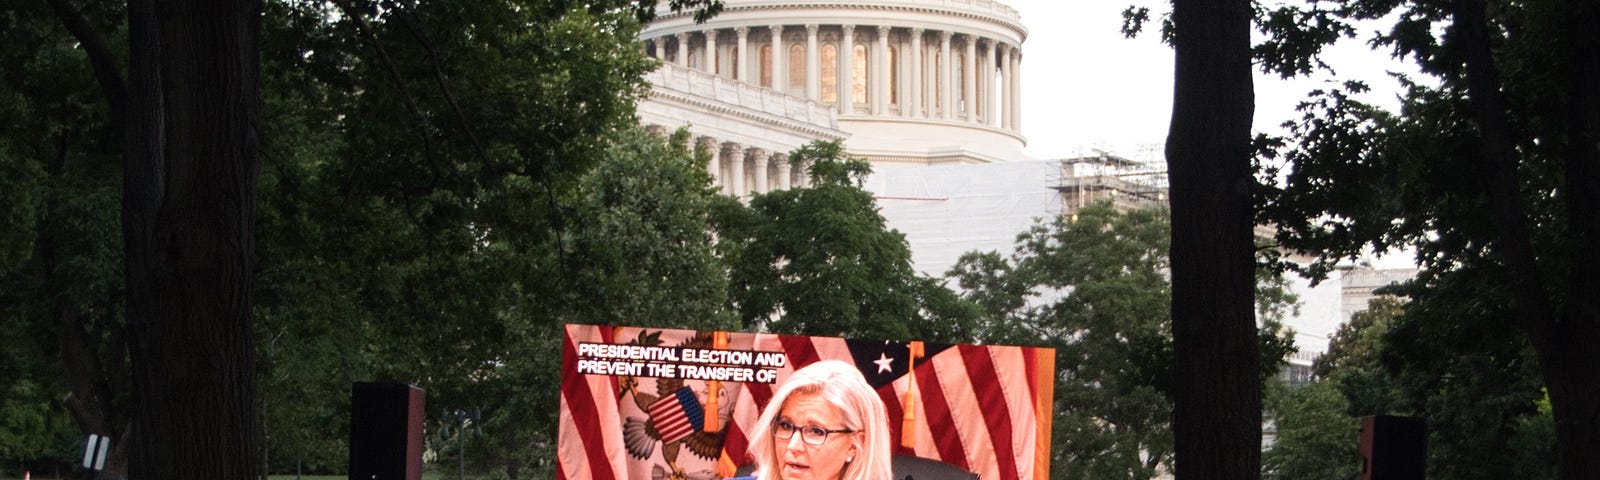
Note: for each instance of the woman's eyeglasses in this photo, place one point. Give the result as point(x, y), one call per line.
point(811, 434)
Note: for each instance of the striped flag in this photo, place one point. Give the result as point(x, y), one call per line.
point(591, 447)
point(677, 416)
point(982, 408)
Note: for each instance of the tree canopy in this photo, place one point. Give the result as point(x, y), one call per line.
point(425, 209)
point(820, 261)
point(1488, 171)
point(1095, 287)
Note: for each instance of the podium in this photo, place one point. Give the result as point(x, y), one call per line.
point(1394, 448)
point(385, 431)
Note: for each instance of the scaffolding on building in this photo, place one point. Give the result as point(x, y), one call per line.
point(1129, 183)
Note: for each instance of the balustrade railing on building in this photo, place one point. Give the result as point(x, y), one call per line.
point(739, 94)
point(982, 7)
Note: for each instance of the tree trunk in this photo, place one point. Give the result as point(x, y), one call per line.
point(1217, 413)
point(188, 211)
point(89, 402)
point(1573, 369)
point(89, 382)
point(1565, 337)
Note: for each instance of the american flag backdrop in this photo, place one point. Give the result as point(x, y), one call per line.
point(984, 408)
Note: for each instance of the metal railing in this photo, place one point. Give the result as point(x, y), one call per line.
point(706, 86)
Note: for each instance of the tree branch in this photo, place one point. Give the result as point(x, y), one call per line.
point(444, 88)
point(472, 135)
point(104, 63)
point(394, 75)
point(1514, 239)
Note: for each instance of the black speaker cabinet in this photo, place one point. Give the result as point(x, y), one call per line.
point(1394, 448)
point(385, 431)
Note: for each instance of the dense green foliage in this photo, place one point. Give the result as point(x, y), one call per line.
point(60, 247)
point(1315, 439)
point(1095, 288)
point(1505, 304)
point(35, 428)
point(819, 261)
point(637, 252)
point(1449, 362)
point(443, 238)
point(443, 185)
point(1489, 172)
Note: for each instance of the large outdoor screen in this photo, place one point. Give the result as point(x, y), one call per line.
point(642, 403)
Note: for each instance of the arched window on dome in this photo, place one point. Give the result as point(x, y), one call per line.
point(830, 74)
point(727, 62)
point(797, 69)
point(959, 80)
point(858, 75)
point(996, 92)
point(894, 75)
point(766, 66)
point(936, 104)
point(930, 80)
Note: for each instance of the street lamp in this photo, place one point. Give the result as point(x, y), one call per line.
point(461, 419)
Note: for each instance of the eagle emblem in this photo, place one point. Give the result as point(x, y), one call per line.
point(675, 418)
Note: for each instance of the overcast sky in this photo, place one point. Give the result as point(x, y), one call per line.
point(1086, 86)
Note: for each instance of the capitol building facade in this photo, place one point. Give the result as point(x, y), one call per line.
point(929, 92)
point(900, 82)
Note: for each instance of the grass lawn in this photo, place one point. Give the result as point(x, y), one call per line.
point(425, 476)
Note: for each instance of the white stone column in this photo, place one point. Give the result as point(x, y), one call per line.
point(758, 161)
point(1016, 76)
point(880, 97)
point(946, 90)
point(714, 166)
point(969, 78)
point(1013, 96)
point(735, 153)
point(741, 71)
point(709, 59)
point(813, 65)
point(780, 61)
point(915, 99)
point(930, 82)
point(1010, 86)
point(989, 84)
point(683, 50)
point(847, 61)
point(785, 172)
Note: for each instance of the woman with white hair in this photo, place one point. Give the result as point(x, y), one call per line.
point(824, 423)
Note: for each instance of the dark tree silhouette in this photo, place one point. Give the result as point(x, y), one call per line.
point(1217, 408)
point(187, 114)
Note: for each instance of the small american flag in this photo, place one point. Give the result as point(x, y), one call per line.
point(676, 416)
